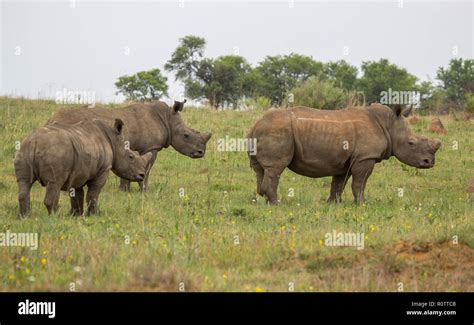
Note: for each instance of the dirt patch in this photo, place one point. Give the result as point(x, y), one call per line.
point(463, 116)
point(418, 266)
point(446, 255)
point(470, 187)
point(438, 266)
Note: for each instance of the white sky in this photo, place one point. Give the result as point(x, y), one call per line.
point(84, 48)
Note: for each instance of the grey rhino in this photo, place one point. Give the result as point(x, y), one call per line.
point(337, 143)
point(69, 157)
point(149, 127)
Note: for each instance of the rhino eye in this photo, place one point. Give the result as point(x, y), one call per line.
point(411, 142)
point(131, 156)
point(186, 135)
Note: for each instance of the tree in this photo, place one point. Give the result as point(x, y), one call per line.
point(317, 93)
point(144, 85)
point(342, 74)
point(279, 74)
point(230, 73)
point(186, 59)
point(224, 80)
point(457, 80)
point(427, 91)
point(381, 76)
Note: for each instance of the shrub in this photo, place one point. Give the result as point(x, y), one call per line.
point(318, 94)
point(260, 102)
point(469, 106)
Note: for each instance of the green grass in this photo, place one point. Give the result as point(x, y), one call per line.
point(221, 237)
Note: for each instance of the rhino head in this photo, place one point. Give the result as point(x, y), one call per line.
point(127, 164)
point(411, 149)
point(185, 140)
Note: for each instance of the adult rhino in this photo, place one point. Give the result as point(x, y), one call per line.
point(337, 143)
point(69, 157)
point(149, 127)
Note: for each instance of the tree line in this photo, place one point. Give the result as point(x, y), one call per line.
point(295, 79)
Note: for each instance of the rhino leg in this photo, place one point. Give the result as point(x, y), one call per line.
point(93, 191)
point(51, 199)
point(24, 197)
point(144, 185)
point(269, 187)
point(360, 171)
point(275, 155)
point(337, 187)
point(124, 185)
point(259, 173)
point(77, 202)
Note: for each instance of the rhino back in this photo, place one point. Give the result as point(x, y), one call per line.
point(336, 135)
point(143, 128)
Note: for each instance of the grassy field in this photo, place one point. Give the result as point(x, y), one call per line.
point(221, 237)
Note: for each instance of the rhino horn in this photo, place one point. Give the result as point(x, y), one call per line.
point(207, 136)
point(147, 157)
point(435, 144)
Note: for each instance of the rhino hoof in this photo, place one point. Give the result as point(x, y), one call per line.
point(334, 200)
point(275, 202)
point(124, 188)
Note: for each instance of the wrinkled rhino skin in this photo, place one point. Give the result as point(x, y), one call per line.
point(338, 143)
point(149, 127)
point(69, 157)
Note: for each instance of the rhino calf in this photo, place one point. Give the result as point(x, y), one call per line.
point(340, 143)
point(69, 157)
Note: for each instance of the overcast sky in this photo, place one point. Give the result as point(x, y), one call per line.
point(48, 46)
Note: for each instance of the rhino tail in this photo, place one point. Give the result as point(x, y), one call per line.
point(252, 154)
point(24, 163)
point(249, 139)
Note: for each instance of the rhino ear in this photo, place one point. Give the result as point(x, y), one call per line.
point(118, 126)
point(178, 106)
point(397, 110)
point(407, 111)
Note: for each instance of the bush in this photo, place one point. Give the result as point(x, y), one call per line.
point(469, 106)
point(318, 94)
point(260, 102)
point(435, 102)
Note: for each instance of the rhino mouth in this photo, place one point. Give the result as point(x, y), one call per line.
point(197, 154)
point(139, 177)
point(426, 163)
